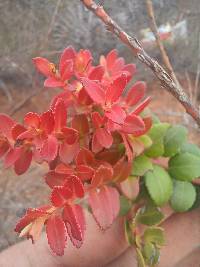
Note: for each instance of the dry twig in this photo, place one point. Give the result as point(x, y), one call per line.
point(154, 28)
point(166, 80)
point(51, 25)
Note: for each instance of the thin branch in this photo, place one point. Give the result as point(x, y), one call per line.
point(132, 42)
point(154, 28)
point(51, 25)
point(198, 73)
point(6, 91)
point(22, 103)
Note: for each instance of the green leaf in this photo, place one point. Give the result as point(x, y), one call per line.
point(185, 167)
point(125, 206)
point(146, 140)
point(191, 148)
point(151, 254)
point(149, 215)
point(174, 139)
point(140, 258)
point(197, 200)
point(154, 235)
point(157, 134)
point(141, 165)
point(183, 196)
point(159, 185)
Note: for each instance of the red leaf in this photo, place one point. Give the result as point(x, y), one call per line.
point(102, 174)
point(47, 122)
point(12, 156)
point(128, 147)
point(43, 65)
point(96, 147)
point(53, 82)
point(53, 178)
point(82, 61)
point(32, 119)
point(105, 205)
point(64, 169)
point(116, 89)
point(148, 123)
point(68, 152)
point(80, 123)
point(122, 170)
point(94, 90)
point(130, 188)
point(30, 216)
point(96, 73)
point(133, 124)
point(74, 219)
point(4, 147)
point(60, 115)
point(85, 157)
point(49, 148)
point(84, 98)
point(17, 130)
point(84, 172)
point(65, 96)
point(111, 156)
point(131, 68)
point(67, 70)
point(28, 134)
point(75, 185)
point(118, 65)
point(104, 137)
point(112, 126)
point(35, 230)
point(97, 119)
point(6, 124)
point(70, 135)
point(116, 114)
point(141, 106)
point(111, 58)
point(68, 54)
point(114, 201)
point(56, 234)
point(136, 93)
point(60, 195)
point(23, 162)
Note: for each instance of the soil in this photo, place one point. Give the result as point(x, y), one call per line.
point(29, 190)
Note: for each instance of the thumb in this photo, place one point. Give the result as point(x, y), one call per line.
point(99, 248)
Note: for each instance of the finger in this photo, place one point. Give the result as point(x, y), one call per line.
point(99, 248)
point(127, 259)
point(182, 243)
point(182, 237)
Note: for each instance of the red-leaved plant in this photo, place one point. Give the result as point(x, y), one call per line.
point(80, 137)
point(99, 146)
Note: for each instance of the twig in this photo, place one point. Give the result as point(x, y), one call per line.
point(154, 28)
point(23, 102)
point(198, 73)
point(53, 18)
point(189, 85)
point(132, 42)
point(6, 91)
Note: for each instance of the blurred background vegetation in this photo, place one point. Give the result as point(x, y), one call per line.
point(29, 28)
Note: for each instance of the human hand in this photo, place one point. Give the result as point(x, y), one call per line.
point(110, 249)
